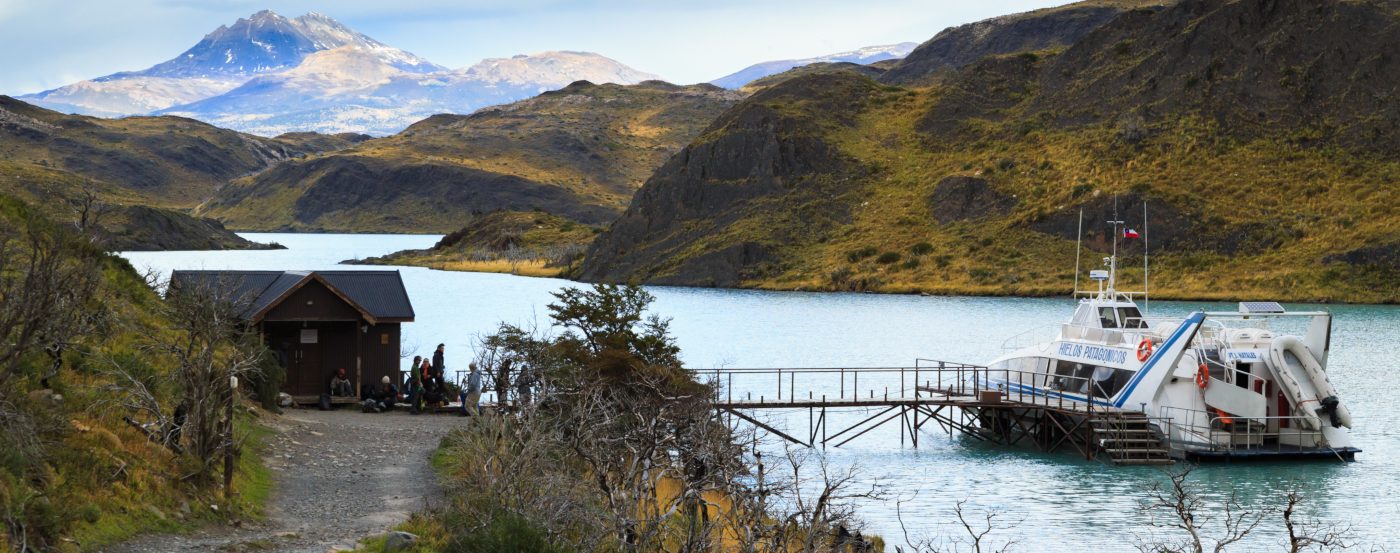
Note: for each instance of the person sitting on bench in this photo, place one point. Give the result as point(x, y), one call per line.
point(340, 386)
point(383, 398)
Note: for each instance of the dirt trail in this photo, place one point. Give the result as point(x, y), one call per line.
point(340, 475)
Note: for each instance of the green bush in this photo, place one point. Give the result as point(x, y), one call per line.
point(888, 258)
point(922, 248)
point(859, 254)
point(505, 532)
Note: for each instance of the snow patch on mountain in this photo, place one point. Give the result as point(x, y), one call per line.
point(866, 55)
point(222, 61)
point(352, 89)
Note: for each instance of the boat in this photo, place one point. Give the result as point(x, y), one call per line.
point(1229, 385)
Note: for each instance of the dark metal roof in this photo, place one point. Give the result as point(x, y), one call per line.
point(379, 294)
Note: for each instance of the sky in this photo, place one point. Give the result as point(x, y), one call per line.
point(49, 43)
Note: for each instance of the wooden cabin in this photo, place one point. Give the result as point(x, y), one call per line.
point(316, 322)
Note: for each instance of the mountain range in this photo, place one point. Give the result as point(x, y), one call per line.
point(269, 75)
point(862, 56)
point(579, 152)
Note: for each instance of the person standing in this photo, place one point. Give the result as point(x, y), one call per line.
point(439, 364)
point(432, 388)
point(471, 398)
point(415, 386)
point(502, 383)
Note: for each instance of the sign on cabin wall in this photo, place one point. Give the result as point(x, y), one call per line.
point(308, 336)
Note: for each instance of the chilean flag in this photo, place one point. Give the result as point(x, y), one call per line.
point(1130, 233)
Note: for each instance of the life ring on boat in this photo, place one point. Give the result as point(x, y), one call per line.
point(1144, 349)
point(1202, 376)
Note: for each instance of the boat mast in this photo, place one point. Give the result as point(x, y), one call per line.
point(1113, 258)
point(1078, 238)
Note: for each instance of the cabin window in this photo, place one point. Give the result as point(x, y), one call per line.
point(1131, 317)
point(1106, 318)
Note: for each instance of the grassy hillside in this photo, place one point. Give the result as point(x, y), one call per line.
point(166, 161)
point(144, 171)
point(1055, 27)
point(532, 243)
point(1268, 168)
point(578, 152)
point(73, 475)
point(122, 219)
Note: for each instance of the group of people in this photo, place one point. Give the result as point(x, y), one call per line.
point(426, 386)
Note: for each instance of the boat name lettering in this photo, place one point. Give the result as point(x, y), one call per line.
point(1245, 355)
point(1095, 353)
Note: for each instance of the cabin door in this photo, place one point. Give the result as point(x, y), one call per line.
point(309, 376)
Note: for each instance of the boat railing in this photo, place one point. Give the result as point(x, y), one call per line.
point(1038, 388)
point(1043, 334)
point(1196, 430)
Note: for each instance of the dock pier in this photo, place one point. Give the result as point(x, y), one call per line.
point(956, 398)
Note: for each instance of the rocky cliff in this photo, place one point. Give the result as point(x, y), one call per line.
point(1259, 137)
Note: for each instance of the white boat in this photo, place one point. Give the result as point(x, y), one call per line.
point(1214, 385)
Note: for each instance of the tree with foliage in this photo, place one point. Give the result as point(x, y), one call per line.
point(620, 450)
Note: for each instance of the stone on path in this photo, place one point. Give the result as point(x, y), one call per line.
point(399, 541)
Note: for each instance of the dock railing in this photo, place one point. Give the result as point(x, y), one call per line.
point(926, 380)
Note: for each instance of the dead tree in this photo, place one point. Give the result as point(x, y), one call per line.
point(1176, 505)
point(207, 346)
point(1307, 533)
point(48, 285)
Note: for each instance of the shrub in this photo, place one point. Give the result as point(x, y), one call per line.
point(922, 248)
point(911, 263)
point(887, 258)
point(861, 253)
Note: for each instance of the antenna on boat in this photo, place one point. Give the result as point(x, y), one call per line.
point(1078, 237)
point(1113, 259)
point(1144, 257)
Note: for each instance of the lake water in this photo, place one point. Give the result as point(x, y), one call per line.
point(1052, 502)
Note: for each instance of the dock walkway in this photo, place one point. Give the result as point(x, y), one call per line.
point(957, 398)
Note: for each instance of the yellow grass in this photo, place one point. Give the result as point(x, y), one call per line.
point(534, 268)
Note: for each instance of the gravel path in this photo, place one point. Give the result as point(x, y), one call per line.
point(340, 475)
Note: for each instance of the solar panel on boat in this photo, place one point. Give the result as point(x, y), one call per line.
point(1260, 307)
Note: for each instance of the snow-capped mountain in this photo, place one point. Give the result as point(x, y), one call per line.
point(350, 89)
point(226, 58)
point(268, 74)
point(868, 54)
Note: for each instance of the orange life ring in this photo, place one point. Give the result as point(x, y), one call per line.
point(1202, 376)
point(1144, 349)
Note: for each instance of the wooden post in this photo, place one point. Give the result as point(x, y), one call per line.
point(228, 439)
point(359, 378)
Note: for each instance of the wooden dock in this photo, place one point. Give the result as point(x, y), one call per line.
point(934, 396)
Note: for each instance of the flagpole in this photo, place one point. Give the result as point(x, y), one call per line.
point(1145, 300)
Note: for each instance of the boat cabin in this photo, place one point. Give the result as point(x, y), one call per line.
point(317, 322)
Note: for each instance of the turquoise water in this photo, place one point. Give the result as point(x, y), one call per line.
point(1056, 502)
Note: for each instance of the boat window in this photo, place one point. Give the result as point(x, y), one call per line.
point(1071, 376)
point(1106, 318)
point(1107, 381)
point(1131, 317)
